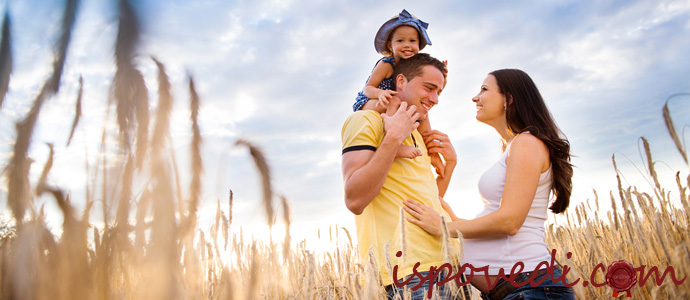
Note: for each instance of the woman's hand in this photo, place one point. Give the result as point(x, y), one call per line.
point(437, 163)
point(439, 142)
point(448, 209)
point(423, 216)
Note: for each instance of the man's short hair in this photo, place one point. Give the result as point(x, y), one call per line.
point(412, 67)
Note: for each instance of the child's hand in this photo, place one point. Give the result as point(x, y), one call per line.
point(385, 96)
point(445, 75)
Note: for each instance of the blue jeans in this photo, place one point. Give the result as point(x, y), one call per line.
point(442, 291)
point(546, 290)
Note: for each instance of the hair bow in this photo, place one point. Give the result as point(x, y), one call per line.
point(405, 16)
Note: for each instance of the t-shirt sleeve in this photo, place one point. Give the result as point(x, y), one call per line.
point(362, 131)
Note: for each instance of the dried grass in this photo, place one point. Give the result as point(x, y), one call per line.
point(5, 57)
point(128, 89)
point(77, 110)
point(18, 182)
point(672, 129)
point(265, 175)
point(162, 253)
point(197, 165)
point(653, 233)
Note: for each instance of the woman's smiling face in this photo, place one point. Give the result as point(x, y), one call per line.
point(490, 101)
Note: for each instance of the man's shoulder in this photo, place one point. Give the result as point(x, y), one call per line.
point(362, 127)
point(363, 116)
point(366, 114)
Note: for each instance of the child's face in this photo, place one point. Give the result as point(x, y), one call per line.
point(404, 42)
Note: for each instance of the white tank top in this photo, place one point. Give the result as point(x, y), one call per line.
point(528, 245)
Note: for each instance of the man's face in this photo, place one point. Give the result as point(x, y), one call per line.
point(422, 91)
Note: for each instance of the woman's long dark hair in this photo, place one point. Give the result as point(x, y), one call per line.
point(526, 111)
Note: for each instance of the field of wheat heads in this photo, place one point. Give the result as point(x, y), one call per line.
point(150, 246)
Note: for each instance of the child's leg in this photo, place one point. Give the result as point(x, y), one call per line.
point(393, 105)
point(407, 151)
point(371, 105)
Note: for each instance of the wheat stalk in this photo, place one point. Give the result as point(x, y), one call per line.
point(18, 183)
point(77, 110)
point(128, 89)
point(197, 164)
point(5, 57)
point(265, 175)
point(672, 129)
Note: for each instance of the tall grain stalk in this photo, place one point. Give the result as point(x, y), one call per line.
point(18, 193)
point(672, 129)
point(652, 233)
point(197, 165)
point(5, 57)
point(77, 110)
point(128, 88)
point(265, 176)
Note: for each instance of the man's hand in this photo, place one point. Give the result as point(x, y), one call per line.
point(399, 126)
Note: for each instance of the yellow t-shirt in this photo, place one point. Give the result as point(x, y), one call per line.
point(380, 220)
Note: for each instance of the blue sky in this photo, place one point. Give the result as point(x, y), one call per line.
point(284, 74)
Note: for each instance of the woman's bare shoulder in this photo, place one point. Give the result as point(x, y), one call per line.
point(526, 145)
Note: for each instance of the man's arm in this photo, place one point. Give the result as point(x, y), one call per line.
point(364, 171)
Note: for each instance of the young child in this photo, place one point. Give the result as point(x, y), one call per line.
point(399, 38)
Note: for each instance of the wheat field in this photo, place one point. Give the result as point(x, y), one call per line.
point(152, 246)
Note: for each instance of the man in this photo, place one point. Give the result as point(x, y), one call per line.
point(376, 184)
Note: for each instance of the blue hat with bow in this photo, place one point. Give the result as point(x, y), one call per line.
point(404, 18)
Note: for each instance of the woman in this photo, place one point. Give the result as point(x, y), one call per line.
point(515, 190)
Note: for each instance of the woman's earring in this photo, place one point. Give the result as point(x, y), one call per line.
point(505, 106)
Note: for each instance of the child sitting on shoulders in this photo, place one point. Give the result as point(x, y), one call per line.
point(399, 38)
